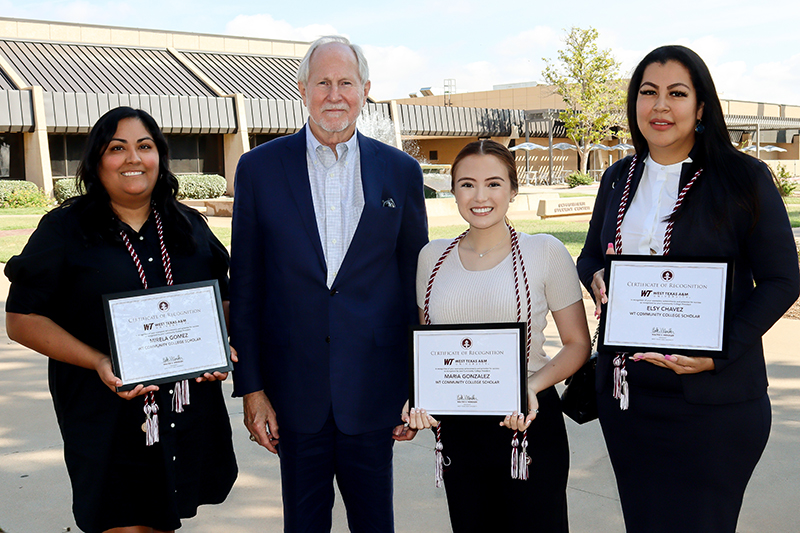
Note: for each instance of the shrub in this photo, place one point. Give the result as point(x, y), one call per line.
point(192, 186)
point(576, 178)
point(198, 186)
point(18, 193)
point(64, 189)
point(783, 181)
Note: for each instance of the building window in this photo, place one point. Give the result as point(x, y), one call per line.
point(261, 138)
point(189, 154)
point(434, 155)
point(195, 154)
point(12, 166)
point(65, 153)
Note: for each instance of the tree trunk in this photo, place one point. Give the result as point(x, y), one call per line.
point(584, 156)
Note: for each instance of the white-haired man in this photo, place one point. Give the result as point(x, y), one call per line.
point(327, 226)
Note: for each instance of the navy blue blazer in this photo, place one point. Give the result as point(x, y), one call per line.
point(766, 281)
point(309, 347)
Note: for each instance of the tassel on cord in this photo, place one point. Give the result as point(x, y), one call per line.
point(441, 461)
point(522, 472)
point(181, 396)
point(514, 456)
point(625, 396)
point(621, 391)
point(151, 422)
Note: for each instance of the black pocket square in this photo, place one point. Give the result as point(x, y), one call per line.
point(389, 202)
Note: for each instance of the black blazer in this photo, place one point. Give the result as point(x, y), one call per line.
point(766, 279)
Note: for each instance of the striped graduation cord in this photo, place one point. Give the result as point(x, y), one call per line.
point(621, 391)
point(519, 454)
point(181, 395)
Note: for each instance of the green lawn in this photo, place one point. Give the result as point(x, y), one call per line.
point(18, 221)
point(793, 208)
point(11, 245)
point(21, 218)
point(24, 210)
point(572, 234)
point(223, 234)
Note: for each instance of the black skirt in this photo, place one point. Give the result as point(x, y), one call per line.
point(680, 466)
point(480, 491)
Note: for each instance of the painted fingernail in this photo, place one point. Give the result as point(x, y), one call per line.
point(668, 357)
point(610, 246)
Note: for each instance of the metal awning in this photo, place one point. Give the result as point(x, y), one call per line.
point(753, 122)
point(254, 76)
point(100, 69)
point(5, 82)
point(77, 112)
point(265, 115)
point(16, 111)
point(424, 120)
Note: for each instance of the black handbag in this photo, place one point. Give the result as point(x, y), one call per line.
point(579, 400)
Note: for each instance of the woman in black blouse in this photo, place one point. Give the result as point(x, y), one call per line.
point(121, 480)
point(684, 434)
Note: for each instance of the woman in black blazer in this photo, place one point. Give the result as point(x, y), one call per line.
point(685, 433)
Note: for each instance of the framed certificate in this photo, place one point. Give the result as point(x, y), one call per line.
point(666, 304)
point(167, 334)
point(472, 369)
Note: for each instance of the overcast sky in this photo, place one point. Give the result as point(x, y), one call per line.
point(752, 48)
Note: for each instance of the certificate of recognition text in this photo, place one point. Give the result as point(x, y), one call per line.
point(476, 369)
point(167, 334)
point(667, 305)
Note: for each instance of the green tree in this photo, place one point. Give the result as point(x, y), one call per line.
point(587, 78)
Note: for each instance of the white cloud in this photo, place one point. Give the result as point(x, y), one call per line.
point(264, 26)
point(770, 82)
point(710, 48)
point(393, 70)
point(530, 42)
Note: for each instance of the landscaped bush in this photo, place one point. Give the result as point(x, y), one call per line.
point(197, 186)
point(64, 189)
point(192, 186)
point(576, 178)
point(18, 193)
point(783, 181)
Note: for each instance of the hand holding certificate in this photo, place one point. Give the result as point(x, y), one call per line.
point(469, 369)
point(666, 304)
point(167, 334)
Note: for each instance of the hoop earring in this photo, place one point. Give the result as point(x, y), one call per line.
point(699, 128)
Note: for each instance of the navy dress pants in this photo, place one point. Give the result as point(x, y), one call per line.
point(362, 467)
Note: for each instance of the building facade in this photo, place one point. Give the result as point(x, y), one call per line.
point(217, 96)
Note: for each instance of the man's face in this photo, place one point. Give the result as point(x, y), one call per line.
point(334, 93)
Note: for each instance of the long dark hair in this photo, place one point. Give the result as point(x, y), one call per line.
point(734, 172)
point(94, 205)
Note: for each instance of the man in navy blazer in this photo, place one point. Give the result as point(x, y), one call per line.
point(327, 226)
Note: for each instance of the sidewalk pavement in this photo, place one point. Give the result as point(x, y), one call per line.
point(35, 493)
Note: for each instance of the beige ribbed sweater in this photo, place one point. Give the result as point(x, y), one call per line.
point(461, 296)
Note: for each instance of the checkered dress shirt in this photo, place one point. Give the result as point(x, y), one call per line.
point(337, 194)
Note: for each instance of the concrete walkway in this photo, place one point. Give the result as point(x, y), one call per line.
point(35, 492)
